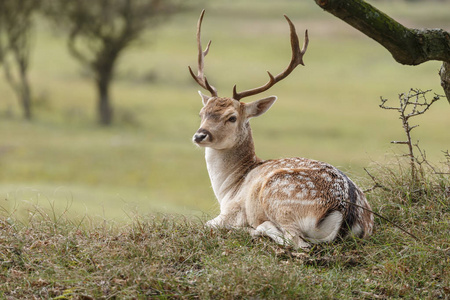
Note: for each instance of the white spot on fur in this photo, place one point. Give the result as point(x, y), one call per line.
point(284, 182)
point(299, 202)
point(326, 176)
point(310, 184)
point(289, 189)
point(302, 194)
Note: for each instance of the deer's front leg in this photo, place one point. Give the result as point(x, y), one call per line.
point(231, 216)
point(217, 222)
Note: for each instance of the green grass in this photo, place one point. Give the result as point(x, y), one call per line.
point(327, 110)
point(56, 256)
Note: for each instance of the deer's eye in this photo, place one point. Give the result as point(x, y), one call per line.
point(232, 119)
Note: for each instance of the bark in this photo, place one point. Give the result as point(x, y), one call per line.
point(104, 104)
point(445, 78)
point(407, 46)
point(20, 83)
point(103, 67)
point(25, 94)
point(16, 26)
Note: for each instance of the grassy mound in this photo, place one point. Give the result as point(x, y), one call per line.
point(167, 256)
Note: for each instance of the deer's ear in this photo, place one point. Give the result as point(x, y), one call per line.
point(258, 107)
point(205, 98)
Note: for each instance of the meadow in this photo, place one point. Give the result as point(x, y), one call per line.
point(327, 110)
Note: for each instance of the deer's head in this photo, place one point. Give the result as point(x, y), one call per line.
point(224, 121)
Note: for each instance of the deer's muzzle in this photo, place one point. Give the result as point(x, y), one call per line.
point(202, 135)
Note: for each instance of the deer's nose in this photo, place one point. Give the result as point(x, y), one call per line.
point(201, 135)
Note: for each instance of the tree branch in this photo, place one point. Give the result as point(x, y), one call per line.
point(444, 72)
point(407, 46)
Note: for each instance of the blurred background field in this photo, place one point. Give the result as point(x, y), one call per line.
point(146, 162)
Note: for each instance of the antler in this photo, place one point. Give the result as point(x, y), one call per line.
point(200, 77)
point(297, 59)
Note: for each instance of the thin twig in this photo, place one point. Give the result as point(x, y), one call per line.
point(378, 215)
point(423, 159)
point(376, 185)
point(415, 102)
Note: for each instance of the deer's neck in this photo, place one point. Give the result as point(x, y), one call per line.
point(228, 168)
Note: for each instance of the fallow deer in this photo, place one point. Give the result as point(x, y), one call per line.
point(294, 201)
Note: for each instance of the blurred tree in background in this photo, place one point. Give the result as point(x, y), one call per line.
point(99, 32)
point(16, 29)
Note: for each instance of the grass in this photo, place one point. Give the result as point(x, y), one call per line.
point(54, 256)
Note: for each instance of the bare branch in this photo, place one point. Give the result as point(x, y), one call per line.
point(412, 104)
point(376, 183)
point(407, 46)
point(423, 160)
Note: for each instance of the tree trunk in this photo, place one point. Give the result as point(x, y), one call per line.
point(103, 66)
point(407, 46)
point(20, 85)
point(25, 94)
point(104, 104)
